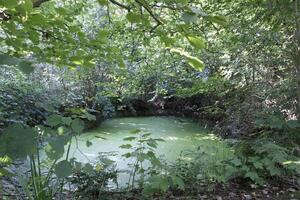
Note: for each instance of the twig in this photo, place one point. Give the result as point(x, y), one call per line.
point(120, 5)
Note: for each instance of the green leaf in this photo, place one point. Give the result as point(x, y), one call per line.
point(18, 141)
point(5, 172)
point(88, 168)
point(236, 162)
point(159, 182)
point(66, 120)
point(135, 131)
point(103, 2)
point(129, 138)
point(88, 143)
point(25, 7)
point(26, 67)
point(189, 17)
point(178, 181)
point(63, 169)
point(90, 117)
point(125, 146)
point(148, 190)
point(10, 4)
point(55, 148)
point(127, 155)
point(77, 60)
point(133, 17)
point(77, 125)
point(197, 42)
point(221, 20)
point(196, 63)
point(151, 154)
point(192, 61)
point(38, 19)
point(54, 120)
point(28, 5)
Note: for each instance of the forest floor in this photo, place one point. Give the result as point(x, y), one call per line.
point(232, 191)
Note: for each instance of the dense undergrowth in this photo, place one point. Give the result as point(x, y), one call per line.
point(68, 65)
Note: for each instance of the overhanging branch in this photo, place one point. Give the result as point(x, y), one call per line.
point(120, 4)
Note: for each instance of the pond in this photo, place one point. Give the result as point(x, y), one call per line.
point(179, 134)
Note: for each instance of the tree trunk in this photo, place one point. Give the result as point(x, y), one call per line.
point(297, 55)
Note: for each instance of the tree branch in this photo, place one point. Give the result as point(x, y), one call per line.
point(120, 5)
point(149, 11)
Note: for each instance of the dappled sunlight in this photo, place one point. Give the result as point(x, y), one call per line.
point(171, 138)
point(292, 162)
point(211, 137)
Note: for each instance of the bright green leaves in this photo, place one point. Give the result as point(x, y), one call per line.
point(27, 5)
point(195, 63)
point(38, 20)
point(9, 4)
point(103, 2)
point(24, 6)
point(191, 60)
point(18, 141)
point(133, 17)
point(197, 42)
point(23, 65)
point(63, 169)
point(221, 20)
point(77, 60)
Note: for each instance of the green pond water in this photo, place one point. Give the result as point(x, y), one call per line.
point(180, 134)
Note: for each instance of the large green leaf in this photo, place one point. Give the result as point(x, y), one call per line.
point(133, 17)
point(197, 42)
point(221, 20)
point(18, 141)
point(10, 4)
point(23, 65)
point(55, 148)
point(195, 63)
point(54, 120)
point(63, 169)
point(77, 125)
point(26, 67)
point(192, 61)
